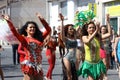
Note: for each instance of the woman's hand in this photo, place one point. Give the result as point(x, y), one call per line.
point(107, 17)
point(61, 16)
point(97, 25)
point(6, 17)
point(39, 15)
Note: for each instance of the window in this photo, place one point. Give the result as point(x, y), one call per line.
point(63, 7)
point(113, 22)
point(3, 11)
point(113, 3)
point(84, 3)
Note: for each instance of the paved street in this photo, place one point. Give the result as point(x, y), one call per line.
point(12, 72)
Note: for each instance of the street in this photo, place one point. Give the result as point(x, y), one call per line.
point(13, 72)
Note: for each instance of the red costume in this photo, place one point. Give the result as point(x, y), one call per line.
point(31, 58)
point(51, 47)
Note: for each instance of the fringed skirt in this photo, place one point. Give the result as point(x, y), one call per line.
point(92, 69)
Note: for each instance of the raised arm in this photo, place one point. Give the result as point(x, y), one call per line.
point(109, 33)
point(45, 24)
point(13, 29)
point(62, 33)
point(87, 39)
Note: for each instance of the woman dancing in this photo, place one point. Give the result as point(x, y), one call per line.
point(93, 67)
point(69, 59)
point(32, 44)
point(51, 55)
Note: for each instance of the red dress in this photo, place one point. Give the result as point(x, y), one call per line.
point(32, 48)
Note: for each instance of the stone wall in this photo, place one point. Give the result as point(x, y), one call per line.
point(25, 10)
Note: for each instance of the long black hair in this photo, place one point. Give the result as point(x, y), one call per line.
point(37, 34)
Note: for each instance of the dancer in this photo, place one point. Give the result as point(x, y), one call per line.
point(106, 46)
point(106, 30)
point(92, 59)
point(32, 43)
point(51, 55)
point(80, 48)
point(69, 59)
point(93, 67)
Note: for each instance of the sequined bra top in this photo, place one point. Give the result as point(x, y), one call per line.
point(71, 43)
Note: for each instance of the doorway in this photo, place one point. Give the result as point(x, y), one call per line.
point(114, 24)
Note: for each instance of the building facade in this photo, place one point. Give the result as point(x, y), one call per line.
point(113, 8)
point(100, 8)
point(22, 11)
point(67, 8)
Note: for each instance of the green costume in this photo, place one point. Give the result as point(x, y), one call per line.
point(92, 66)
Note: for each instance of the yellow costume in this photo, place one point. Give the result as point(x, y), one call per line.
point(93, 65)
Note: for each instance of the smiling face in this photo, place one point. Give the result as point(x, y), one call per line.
point(71, 30)
point(30, 29)
point(103, 30)
point(91, 28)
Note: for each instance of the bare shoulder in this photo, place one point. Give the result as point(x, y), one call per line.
point(84, 37)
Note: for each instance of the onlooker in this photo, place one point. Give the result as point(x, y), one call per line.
point(55, 33)
point(15, 52)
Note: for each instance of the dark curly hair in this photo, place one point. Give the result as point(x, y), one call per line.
point(38, 33)
point(66, 29)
